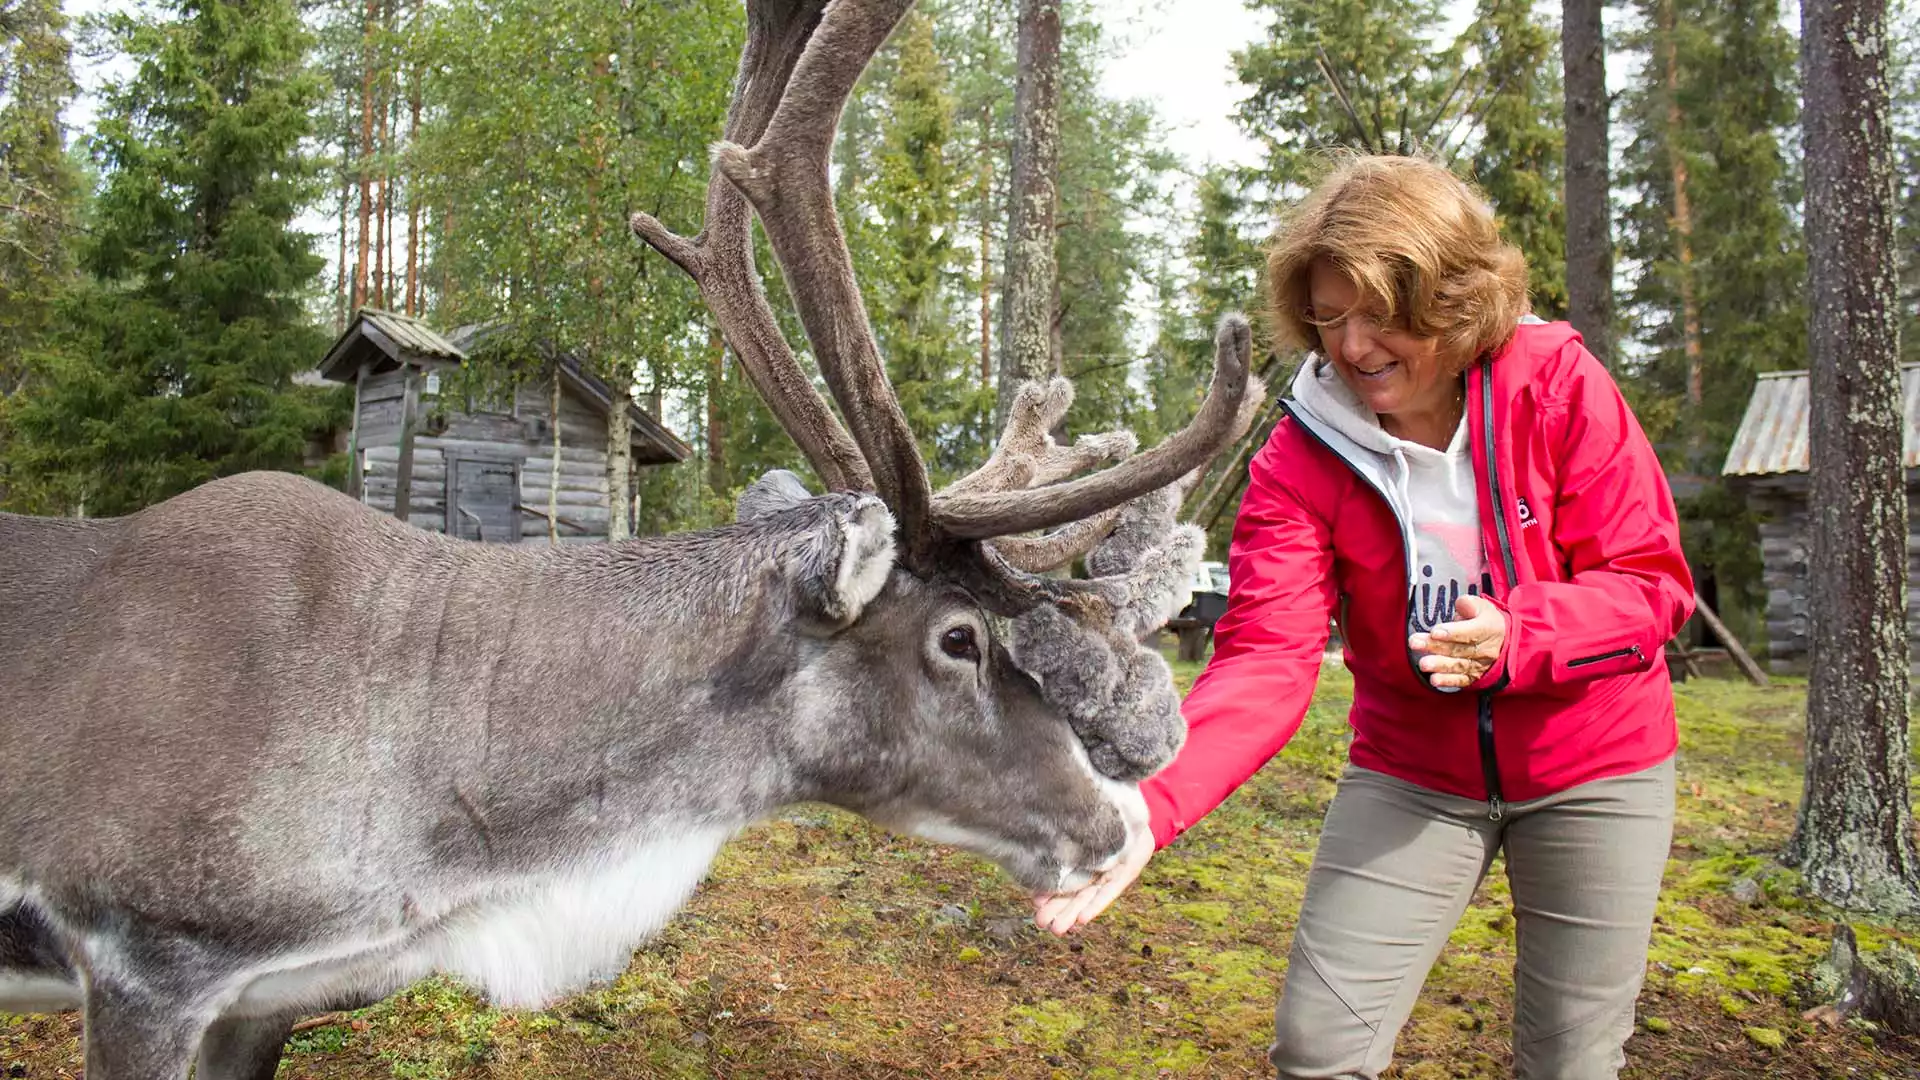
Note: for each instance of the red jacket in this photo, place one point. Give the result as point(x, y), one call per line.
point(1583, 548)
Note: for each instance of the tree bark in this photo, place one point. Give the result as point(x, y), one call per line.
point(342, 301)
point(413, 202)
point(1682, 217)
point(553, 472)
point(1589, 219)
point(986, 245)
point(620, 455)
point(1854, 840)
point(365, 237)
point(1033, 195)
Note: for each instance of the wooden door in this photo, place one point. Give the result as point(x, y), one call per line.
point(482, 494)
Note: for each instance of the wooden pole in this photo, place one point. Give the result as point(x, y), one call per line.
point(355, 482)
point(403, 473)
point(1734, 649)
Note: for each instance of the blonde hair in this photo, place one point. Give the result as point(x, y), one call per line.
point(1415, 240)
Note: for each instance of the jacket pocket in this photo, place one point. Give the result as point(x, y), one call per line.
point(1632, 653)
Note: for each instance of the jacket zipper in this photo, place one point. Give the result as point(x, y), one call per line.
point(1489, 756)
point(1407, 614)
point(1631, 650)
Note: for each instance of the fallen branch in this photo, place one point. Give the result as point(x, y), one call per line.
point(326, 1020)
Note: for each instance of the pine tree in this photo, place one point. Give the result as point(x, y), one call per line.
point(1589, 193)
point(1854, 839)
point(916, 191)
point(39, 184)
point(1518, 159)
point(178, 359)
point(1718, 296)
point(1395, 79)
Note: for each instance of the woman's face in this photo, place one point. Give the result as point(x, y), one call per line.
point(1395, 373)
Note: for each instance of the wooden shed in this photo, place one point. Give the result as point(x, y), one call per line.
point(479, 470)
point(1769, 463)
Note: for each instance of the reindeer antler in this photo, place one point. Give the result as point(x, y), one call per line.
point(785, 176)
point(720, 259)
point(1081, 638)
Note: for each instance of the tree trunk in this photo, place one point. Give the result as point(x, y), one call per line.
point(413, 202)
point(382, 206)
point(365, 237)
point(986, 245)
point(342, 301)
point(1589, 234)
point(553, 469)
point(1682, 221)
point(1027, 351)
point(620, 455)
point(1854, 841)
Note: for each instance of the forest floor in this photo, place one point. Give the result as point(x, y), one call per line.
point(822, 948)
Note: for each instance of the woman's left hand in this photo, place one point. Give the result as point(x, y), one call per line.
point(1459, 652)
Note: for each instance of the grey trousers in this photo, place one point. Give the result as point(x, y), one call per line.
point(1396, 868)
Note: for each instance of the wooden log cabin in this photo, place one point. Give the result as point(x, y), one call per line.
point(1769, 464)
point(480, 470)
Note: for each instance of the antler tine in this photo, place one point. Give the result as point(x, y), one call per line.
point(1027, 456)
point(1221, 418)
point(785, 176)
point(720, 258)
point(1038, 554)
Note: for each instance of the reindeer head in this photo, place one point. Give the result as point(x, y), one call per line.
point(996, 707)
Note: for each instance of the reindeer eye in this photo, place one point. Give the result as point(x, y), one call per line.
point(958, 643)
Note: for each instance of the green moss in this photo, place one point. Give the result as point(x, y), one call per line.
point(1206, 912)
point(1656, 1025)
point(1771, 1038)
point(968, 955)
point(1049, 1025)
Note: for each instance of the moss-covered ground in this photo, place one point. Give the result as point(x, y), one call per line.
point(822, 948)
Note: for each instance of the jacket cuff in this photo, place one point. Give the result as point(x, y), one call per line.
point(1160, 815)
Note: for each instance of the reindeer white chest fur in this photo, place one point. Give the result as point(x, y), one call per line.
point(524, 943)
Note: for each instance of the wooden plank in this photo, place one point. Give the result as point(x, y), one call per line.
point(538, 497)
point(484, 427)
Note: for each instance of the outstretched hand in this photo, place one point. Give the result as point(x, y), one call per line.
point(1459, 652)
point(1065, 912)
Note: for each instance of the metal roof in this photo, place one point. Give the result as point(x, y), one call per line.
point(1772, 439)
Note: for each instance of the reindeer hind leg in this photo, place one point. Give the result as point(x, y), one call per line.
point(249, 1048)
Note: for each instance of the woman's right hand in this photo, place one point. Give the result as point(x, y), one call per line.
point(1062, 913)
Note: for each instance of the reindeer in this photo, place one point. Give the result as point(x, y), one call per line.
point(268, 751)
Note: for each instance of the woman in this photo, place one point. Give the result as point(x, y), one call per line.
point(1462, 487)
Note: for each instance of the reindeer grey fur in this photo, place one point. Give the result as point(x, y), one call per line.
point(270, 751)
point(270, 725)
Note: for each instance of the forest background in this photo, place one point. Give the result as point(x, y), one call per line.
point(179, 242)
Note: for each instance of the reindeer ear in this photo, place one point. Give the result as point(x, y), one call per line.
point(777, 490)
point(843, 562)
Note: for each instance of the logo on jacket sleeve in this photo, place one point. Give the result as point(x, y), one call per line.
point(1527, 520)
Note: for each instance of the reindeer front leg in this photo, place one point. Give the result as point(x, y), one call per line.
point(135, 1034)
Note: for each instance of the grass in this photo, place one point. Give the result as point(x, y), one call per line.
point(822, 948)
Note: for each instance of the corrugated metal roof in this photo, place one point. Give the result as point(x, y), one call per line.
point(411, 335)
point(1773, 434)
